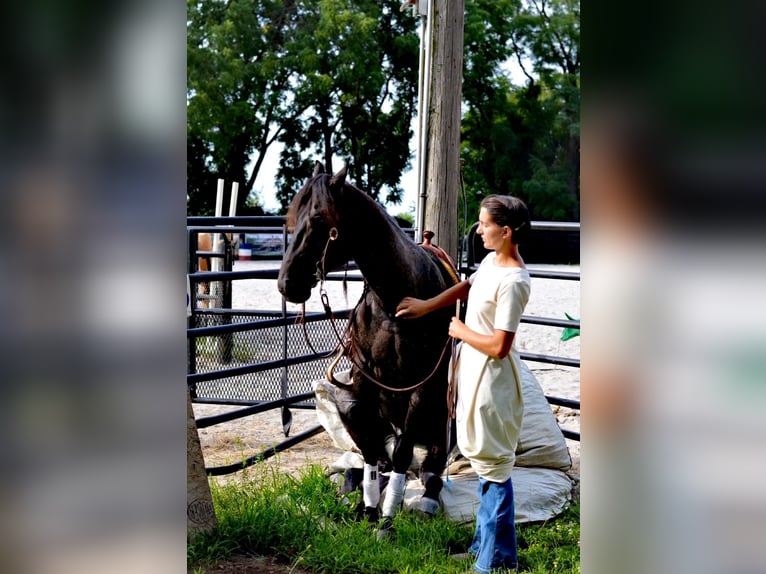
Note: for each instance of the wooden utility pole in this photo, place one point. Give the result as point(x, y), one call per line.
point(443, 113)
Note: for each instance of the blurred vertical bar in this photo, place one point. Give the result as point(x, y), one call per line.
point(92, 168)
point(674, 272)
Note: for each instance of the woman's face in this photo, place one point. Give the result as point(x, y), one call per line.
point(491, 233)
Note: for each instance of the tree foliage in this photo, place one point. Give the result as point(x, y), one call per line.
point(358, 86)
point(241, 61)
point(523, 140)
point(336, 80)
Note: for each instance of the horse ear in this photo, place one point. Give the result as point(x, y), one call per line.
point(318, 168)
point(340, 177)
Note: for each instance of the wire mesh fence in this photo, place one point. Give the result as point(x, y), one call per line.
point(265, 351)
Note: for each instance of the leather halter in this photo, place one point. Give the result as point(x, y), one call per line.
point(321, 270)
point(321, 274)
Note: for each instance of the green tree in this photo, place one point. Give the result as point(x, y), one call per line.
point(337, 80)
point(359, 87)
point(522, 140)
point(549, 31)
point(240, 64)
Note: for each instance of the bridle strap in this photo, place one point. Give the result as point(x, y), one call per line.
point(321, 268)
point(302, 319)
point(321, 276)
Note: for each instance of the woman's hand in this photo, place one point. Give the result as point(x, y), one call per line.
point(411, 308)
point(457, 328)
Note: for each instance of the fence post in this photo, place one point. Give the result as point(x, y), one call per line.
point(283, 386)
point(227, 339)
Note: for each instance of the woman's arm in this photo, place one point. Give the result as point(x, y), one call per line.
point(411, 308)
point(497, 345)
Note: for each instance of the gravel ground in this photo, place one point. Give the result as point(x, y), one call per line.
point(228, 443)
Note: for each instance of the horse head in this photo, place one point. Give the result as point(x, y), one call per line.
point(317, 243)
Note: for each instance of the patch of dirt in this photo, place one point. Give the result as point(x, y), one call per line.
point(250, 565)
point(231, 442)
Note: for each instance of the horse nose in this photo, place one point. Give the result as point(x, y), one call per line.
point(292, 291)
point(282, 285)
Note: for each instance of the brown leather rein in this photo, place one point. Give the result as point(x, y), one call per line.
point(344, 347)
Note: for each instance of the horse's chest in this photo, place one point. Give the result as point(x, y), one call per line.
point(397, 352)
point(379, 339)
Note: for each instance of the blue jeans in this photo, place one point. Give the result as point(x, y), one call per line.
point(494, 540)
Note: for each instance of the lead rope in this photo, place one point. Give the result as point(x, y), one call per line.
point(451, 400)
point(344, 346)
point(322, 274)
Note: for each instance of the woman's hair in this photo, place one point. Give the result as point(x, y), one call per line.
point(511, 211)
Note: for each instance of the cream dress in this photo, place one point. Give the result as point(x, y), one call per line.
point(489, 402)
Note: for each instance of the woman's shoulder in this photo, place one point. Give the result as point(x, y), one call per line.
point(488, 258)
point(516, 275)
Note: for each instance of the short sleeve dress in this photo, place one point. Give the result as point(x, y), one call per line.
point(489, 403)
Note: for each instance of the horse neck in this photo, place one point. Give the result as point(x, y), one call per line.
point(380, 249)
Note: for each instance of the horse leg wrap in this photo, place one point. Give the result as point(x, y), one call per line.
point(371, 486)
point(394, 493)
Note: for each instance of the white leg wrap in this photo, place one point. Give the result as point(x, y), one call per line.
point(371, 486)
point(394, 493)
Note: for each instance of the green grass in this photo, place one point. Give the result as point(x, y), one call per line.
point(303, 522)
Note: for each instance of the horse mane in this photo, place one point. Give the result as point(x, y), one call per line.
point(303, 195)
point(317, 189)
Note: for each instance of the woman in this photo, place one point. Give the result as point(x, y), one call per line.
point(489, 405)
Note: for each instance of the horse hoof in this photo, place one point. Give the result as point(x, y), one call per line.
point(386, 529)
point(425, 506)
point(371, 514)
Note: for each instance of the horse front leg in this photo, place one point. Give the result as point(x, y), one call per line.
point(433, 430)
point(397, 483)
point(402, 459)
point(363, 423)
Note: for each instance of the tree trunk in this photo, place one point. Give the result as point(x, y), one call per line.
point(327, 132)
point(443, 109)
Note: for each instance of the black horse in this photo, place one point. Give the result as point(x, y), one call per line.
point(397, 393)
